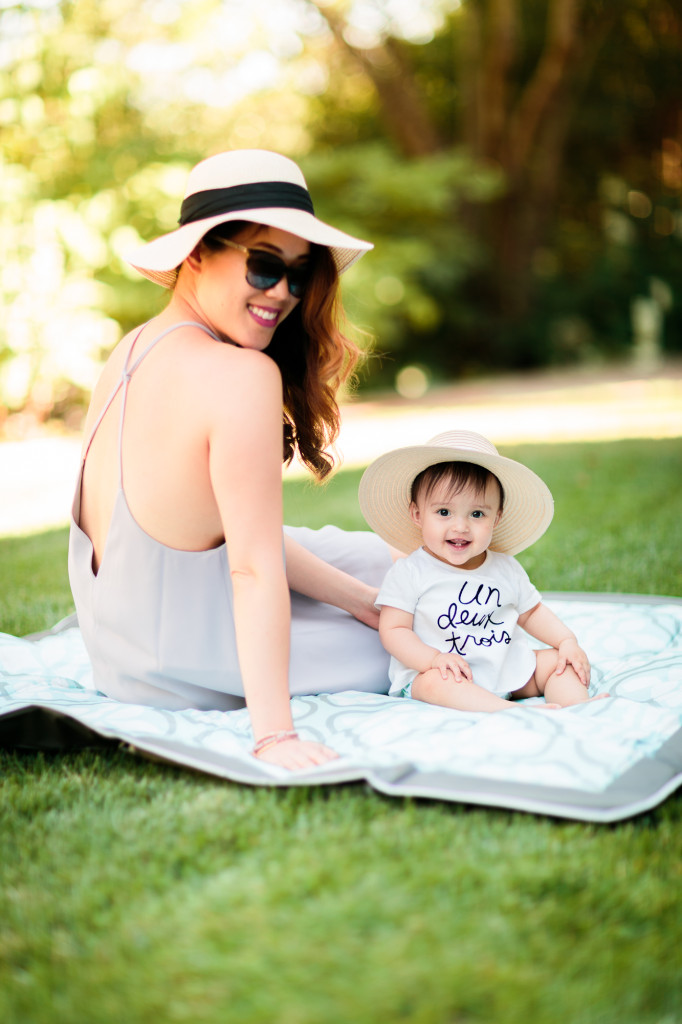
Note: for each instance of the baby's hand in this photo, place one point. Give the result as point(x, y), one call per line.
point(454, 663)
point(571, 654)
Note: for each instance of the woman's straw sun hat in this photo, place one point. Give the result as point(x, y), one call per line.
point(385, 491)
point(254, 185)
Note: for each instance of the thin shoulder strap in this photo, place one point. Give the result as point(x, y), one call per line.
point(105, 408)
point(128, 372)
point(126, 375)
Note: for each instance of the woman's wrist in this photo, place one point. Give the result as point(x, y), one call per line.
point(271, 739)
point(348, 593)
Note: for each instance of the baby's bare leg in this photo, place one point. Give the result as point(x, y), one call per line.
point(433, 689)
point(565, 689)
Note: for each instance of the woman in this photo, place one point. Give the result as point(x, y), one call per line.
point(176, 548)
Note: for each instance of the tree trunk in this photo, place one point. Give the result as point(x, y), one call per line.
point(493, 86)
point(407, 117)
point(522, 131)
point(526, 137)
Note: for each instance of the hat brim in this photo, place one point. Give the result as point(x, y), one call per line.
point(159, 259)
point(385, 494)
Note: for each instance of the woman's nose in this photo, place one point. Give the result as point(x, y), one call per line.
point(280, 290)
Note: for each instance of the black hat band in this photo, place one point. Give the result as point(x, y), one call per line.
point(262, 194)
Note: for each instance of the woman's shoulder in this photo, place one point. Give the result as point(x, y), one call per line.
point(197, 357)
point(224, 389)
point(224, 366)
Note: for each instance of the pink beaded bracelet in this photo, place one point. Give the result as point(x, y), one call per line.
point(272, 739)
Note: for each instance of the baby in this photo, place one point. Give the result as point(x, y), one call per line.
point(450, 611)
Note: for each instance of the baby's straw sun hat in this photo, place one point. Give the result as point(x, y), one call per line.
point(254, 185)
point(387, 483)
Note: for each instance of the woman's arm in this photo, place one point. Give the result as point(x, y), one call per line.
point(312, 576)
point(245, 450)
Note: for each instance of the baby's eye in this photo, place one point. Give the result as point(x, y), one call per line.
point(477, 514)
point(443, 512)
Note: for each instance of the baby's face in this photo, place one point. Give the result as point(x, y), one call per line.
point(457, 527)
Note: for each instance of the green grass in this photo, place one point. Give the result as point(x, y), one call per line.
point(134, 891)
point(35, 592)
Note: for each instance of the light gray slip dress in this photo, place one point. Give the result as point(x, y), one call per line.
point(158, 622)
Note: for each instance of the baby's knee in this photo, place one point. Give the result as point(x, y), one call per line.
point(545, 666)
point(426, 683)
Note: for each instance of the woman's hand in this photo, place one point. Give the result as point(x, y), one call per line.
point(309, 575)
point(296, 754)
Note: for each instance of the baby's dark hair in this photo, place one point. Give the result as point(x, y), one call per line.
point(457, 475)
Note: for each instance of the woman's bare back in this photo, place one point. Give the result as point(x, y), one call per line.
point(165, 448)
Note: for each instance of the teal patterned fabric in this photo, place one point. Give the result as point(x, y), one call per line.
point(602, 761)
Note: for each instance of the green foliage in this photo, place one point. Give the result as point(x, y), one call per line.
point(408, 209)
point(616, 235)
point(104, 107)
point(72, 133)
point(613, 234)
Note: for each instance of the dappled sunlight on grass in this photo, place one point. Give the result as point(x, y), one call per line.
point(600, 410)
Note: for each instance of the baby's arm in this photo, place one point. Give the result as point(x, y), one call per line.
point(545, 626)
point(400, 640)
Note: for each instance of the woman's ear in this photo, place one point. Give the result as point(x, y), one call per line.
point(195, 257)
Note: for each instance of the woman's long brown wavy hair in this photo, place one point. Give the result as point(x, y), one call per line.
point(314, 357)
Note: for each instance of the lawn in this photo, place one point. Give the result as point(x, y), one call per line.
point(134, 891)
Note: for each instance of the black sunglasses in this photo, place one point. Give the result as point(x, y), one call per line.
point(264, 270)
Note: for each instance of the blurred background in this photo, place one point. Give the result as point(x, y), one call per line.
point(517, 163)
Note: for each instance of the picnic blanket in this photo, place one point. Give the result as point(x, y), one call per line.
point(603, 761)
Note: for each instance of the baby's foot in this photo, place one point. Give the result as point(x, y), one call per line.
point(588, 700)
